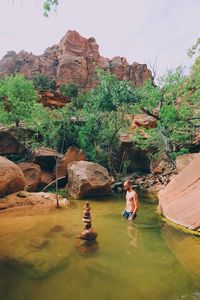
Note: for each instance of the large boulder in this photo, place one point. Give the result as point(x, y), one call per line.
point(143, 120)
point(11, 177)
point(46, 178)
point(72, 154)
point(32, 173)
point(9, 144)
point(179, 201)
point(87, 179)
point(184, 160)
point(46, 158)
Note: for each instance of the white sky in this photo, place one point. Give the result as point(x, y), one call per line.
point(139, 30)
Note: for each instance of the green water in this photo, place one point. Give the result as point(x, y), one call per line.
point(40, 257)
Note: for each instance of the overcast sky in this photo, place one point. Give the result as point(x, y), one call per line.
point(140, 30)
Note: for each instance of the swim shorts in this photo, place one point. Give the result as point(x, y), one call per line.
point(128, 214)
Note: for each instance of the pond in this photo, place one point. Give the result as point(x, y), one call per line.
point(40, 257)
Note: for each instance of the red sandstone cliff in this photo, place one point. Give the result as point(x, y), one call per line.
point(73, 59)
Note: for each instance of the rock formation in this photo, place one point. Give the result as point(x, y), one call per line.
point(128, 149)
point(184, 160)
point(88, 233)
point(72, 154)
point(32, 174)
point(73, 59)
point(9, 144)
point(45, 158)
point(179, 201)
point(24, 198)
point(87, 179)
point(52, 99)
point(11, 177)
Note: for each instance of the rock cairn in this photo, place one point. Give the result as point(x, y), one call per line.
point(88, 232)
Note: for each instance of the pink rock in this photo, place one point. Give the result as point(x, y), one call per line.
point(73, 59)
point(180, 200)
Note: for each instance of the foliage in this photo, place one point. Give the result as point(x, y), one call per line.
point(174, 112)
point(43, 83)
point(48, 5)
point(111, 93)
point(195, 48)
point(102, 114)
point(69, 90)
point(18, 101)
point(58, 131)
point(105, 113)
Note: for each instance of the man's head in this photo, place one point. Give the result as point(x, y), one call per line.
point(127, 185)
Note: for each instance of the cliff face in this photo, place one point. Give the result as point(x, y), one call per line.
point(73, 59)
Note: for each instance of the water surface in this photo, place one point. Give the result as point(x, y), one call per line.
point(40, 257)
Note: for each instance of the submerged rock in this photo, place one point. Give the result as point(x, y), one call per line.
point(42, 269)
point(39, 243)
point(55, 229)
point(87, 179)
point(11, 177)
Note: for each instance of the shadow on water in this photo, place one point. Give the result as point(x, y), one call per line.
point(29, 270)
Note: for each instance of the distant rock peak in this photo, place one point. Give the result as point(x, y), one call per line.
point(73, 59)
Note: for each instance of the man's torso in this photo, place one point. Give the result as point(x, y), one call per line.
point(130, 200)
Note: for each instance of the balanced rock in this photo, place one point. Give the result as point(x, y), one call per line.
point(87, 179)
point(88, 233)
point(11, 177)
point(179, 201)
point(32, 173)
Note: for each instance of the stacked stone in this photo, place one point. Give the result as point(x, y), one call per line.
point(88, 233)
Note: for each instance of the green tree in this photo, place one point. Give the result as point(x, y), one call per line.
point(111, 92)
point(105, 113)
point(170, 105)
point(43, 83)
point(69, 90)
point(18, 101)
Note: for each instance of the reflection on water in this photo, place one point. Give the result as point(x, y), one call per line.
point(41, 258)
point(185, 247)
point(132, 233)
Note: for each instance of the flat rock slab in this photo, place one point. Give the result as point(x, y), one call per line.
point(24, 198)
point(180, 200)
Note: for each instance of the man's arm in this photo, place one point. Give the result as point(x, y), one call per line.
point(135, 201)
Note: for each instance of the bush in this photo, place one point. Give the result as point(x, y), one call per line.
point(69, 90)
point(43, 83)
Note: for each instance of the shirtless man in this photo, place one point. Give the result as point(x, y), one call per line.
point(131, 201)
